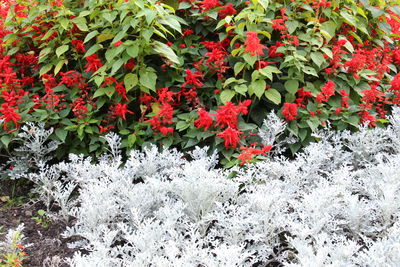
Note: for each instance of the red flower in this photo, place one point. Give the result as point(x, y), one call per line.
point(130, 64)
point(289, 111)
point(166, 130)
point(227, 116)
point(326, 92)
point(248, 152)
point(9, 114)
point(273, 48)
point(182, 46)
point(253, 45)
point(192, 78)
point(231, 137)
point(93, 64)
point(120, 110)
point(204, 120)
point(120, 88)
point(187, 32)
point(79, 46)
point(118, 43)
point(227, 11)
point(209, 4)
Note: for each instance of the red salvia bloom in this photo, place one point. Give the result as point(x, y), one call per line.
point(326, 92)
point(120, 110)
point(289, 111)
point(166, 130)
point(247, 153)
point(204, 120)
point(93, 64)
point(9, 114)
point(118, 43)
point(193, 78)
point(120, 88)
point(79, 46)
point(209, 4)
point(253, 45)
point(227, 10)
point(227, 116)
point(231, 137)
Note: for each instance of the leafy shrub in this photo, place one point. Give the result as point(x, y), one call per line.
point(336, 203)
point(186, 73)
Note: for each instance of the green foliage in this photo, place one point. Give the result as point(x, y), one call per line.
point(267, 51)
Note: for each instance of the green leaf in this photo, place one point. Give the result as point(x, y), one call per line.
point(350, 19)
point(131, 139)
point(45, 69)
point(227, 95)
point(318, 58)
point(133, 50)
point(59, 66)
point(273, 95)
point(116, 66)
point(130, 81)
point(250, 59)
point(104, 37)
point(238, 67)
point(292, 86)
point(109, 91)
point(184, 5)
point(93, 49)
point(172, 21)
point(148, 79)
point(5, 139)
point(328, 29)
point(310, 70)
point(62, 134)
point(313, 122)
point(268, 71)
point(90, 36)
point(166, 51)
point(258, 87)
point(241, 89)
point(64, 23)
point(61, 50)
point(327, 52)
point(264, 3)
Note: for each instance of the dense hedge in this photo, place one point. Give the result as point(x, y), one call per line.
point(185, 73)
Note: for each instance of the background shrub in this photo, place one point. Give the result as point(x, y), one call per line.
point(186, 73)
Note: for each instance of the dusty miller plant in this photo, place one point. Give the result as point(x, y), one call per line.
point(335, 204)
point(34, 151)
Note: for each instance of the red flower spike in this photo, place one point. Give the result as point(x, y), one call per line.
point(231, 137)
point(204, 120)
point(252, 44)
point(93, 64)
point(289, 111)
point(120, 110)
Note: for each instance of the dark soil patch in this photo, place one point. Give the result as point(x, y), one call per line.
point(46, 241)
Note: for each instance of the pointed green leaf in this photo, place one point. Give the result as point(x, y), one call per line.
point(166, 51)
point(61, 50)
point(273, 95)
point(227, 95)
point(130, 80)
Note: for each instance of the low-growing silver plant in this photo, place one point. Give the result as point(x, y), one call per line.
point(335, 204)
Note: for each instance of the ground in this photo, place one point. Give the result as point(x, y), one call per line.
point(46, 241)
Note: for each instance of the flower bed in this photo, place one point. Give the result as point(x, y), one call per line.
point(187, 73)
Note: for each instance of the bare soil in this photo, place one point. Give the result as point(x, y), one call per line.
point(46, 241)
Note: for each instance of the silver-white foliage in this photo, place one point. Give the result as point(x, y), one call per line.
point(33, 152)
point(336, 204)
